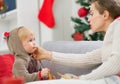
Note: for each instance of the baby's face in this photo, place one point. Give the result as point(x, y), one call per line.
point(29, 44)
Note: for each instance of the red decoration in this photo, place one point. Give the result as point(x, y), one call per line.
point(46, 14)
point(78, 36)
point(6, 34)
point(82, 12)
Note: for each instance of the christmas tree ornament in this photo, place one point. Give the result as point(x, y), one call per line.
point(82, 12)
point(78, 36)
point(45, 14)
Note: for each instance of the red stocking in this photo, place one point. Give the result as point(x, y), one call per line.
point(45, 14)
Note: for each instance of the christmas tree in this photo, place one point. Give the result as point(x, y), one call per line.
point(82, 28)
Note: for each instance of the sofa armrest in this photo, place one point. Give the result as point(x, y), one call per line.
point(69, 47)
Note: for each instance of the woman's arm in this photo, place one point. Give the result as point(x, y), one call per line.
point(78, 60)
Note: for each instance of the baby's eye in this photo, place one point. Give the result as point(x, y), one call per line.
point(30, 40)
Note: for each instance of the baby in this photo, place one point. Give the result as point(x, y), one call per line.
point(21, 43)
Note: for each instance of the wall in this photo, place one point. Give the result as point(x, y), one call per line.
point(27, 15)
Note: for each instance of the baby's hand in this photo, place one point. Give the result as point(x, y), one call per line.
point(45, 72)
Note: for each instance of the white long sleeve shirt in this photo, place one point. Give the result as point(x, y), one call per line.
point(108, 56)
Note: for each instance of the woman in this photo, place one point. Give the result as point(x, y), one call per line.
point(104, 16)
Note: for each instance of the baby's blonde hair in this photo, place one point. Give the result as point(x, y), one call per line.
point(24, 32)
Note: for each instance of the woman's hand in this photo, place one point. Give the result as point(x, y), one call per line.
point(41, 53)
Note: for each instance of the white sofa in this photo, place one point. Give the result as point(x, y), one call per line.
point(69, 47)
